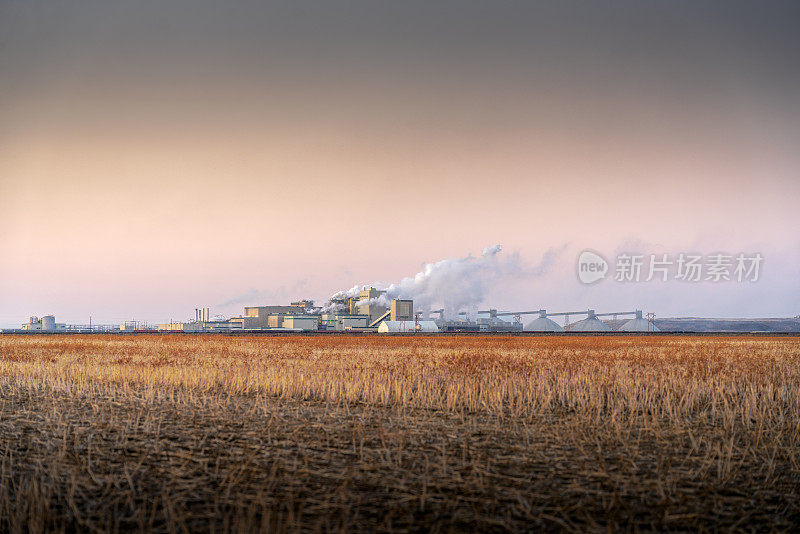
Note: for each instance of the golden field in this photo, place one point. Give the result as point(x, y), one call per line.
point(188, 433)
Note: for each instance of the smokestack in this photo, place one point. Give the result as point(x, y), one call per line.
point(455, 283)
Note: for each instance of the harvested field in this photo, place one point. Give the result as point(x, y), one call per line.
point(365, 433)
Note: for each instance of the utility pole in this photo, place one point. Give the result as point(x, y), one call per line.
point(651, 321)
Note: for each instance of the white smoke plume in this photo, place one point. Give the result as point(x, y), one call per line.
point(453, 284)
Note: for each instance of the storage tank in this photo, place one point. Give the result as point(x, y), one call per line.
point(543, 324)
point(638, 324)
point(48, 323)
point(590, 324)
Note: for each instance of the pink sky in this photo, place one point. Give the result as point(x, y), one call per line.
point(149, 192)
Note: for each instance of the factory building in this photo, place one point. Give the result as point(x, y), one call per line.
point(301, 322)
point(367, 305)
point(408, 326)
point(224, 325)
point(401, 310)
point(259, 316)
point(343, 322)
point(45, 324)
point(293, 317)
point(275, 321)
point(179, 327)
point(490, 323)
point(369, 310)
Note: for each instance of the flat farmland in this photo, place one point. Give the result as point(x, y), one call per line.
point(182, 433)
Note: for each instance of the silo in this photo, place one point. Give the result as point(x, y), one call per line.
point(590, 324)
point(48, 323)
point(639, 324)
point(543, 324)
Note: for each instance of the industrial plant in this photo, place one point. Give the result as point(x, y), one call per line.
point(45, 324)
point(432, 300)
point(368, 311)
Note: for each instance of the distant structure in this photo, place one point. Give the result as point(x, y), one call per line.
point(366, 310)
point(590, 324)
point(543, 324)
point(301, 322)
point(266, 316)
point(408, 326)
point(137, 326)
point(45, 324)
point(342, 322)
point(401, 310)
point(369, 310)
point(367, 305)
point(639, 324)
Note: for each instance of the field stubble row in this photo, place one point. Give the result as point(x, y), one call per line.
point(754, 381)
point(440, 432)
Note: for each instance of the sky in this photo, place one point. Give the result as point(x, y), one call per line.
point(159, 156)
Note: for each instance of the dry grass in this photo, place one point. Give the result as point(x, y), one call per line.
point(320, 433)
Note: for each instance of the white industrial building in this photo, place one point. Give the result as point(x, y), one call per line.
point(590, 324)
point(543, 324)
point(639, 324)
point(45, 324)
point(407, 326)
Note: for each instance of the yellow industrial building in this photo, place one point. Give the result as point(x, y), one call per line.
point(364, 312)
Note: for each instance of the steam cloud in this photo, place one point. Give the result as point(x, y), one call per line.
point(454, 284)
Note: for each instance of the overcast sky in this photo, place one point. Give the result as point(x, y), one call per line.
point(157, 156)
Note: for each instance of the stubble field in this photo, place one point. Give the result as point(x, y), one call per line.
point(408, 433)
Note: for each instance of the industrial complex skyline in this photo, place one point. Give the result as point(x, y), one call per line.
point(162, 156)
